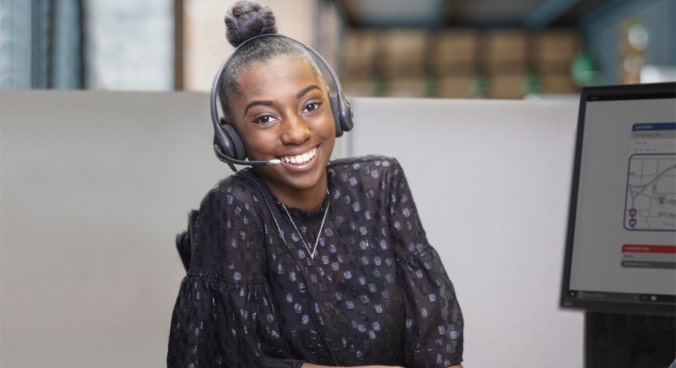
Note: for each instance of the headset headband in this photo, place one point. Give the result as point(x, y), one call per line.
point(229, 147)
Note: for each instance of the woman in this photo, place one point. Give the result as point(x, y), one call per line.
point(306, 263)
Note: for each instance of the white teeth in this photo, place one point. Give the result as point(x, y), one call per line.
point(300, 159)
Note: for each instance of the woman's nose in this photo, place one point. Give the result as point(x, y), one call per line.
point(295, 130)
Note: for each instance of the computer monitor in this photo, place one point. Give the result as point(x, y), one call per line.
point(620, 252)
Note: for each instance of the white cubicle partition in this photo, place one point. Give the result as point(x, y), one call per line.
point(95, 185)
point(491, 180)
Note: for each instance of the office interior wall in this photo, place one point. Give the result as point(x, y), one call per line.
point(95, 185)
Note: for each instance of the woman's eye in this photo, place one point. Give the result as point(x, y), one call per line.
point(312, 106)
point(264, 119)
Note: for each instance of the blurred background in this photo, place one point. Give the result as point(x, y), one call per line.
point(91, 201)
point(421, 48)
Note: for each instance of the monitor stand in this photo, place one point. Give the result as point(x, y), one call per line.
point(629, 341)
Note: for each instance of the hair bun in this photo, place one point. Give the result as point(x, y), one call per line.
point(248, 19)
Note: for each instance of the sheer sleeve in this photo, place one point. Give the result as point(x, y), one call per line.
point(224, 315)
point(434, 321)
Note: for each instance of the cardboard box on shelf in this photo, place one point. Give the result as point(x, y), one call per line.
point(504, 50)
point(557, 83)
point(359, 87)
point(455, 86)
point(454, 49)
point(552, 47)
point(508, 86)
point(360, 48)
point(406, 86)
point(404, 51)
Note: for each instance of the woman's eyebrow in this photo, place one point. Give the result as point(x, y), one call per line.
point(306, 90)
point(256, 103)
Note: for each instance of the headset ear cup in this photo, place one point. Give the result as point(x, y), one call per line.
point(232, 144)
point(335, 110)
point(342, 114)
point(345, 109)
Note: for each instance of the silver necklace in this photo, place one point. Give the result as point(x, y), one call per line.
point(319, 233)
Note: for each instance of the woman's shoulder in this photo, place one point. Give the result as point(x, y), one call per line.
point(239, 189)
point(371, 166)
point(368, 161)
point(241, 181)
point(229, 220)
point(368, 174)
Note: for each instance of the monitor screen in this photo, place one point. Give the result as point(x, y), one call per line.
point(621, 243)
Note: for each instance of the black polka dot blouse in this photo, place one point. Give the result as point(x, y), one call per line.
point(375, 291)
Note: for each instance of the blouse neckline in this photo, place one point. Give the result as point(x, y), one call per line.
point(296, 213)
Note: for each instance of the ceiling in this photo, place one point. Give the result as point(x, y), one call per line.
point(534, 14)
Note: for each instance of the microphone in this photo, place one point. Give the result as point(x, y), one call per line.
point(230, 160)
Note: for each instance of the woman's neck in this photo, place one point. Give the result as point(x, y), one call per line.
point(306, 200)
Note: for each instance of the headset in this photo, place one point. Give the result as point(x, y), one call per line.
point(228, 145)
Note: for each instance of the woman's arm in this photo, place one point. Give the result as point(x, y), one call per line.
point(435, 335)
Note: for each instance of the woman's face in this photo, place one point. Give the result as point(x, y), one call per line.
point(283, 112)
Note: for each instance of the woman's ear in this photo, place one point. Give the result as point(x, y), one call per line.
point(223, 121)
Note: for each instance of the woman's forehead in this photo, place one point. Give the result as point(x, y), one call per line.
point(280, 67)
point(278, 78)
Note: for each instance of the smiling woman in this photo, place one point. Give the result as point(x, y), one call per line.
point(300, 261)
point(282, 113)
